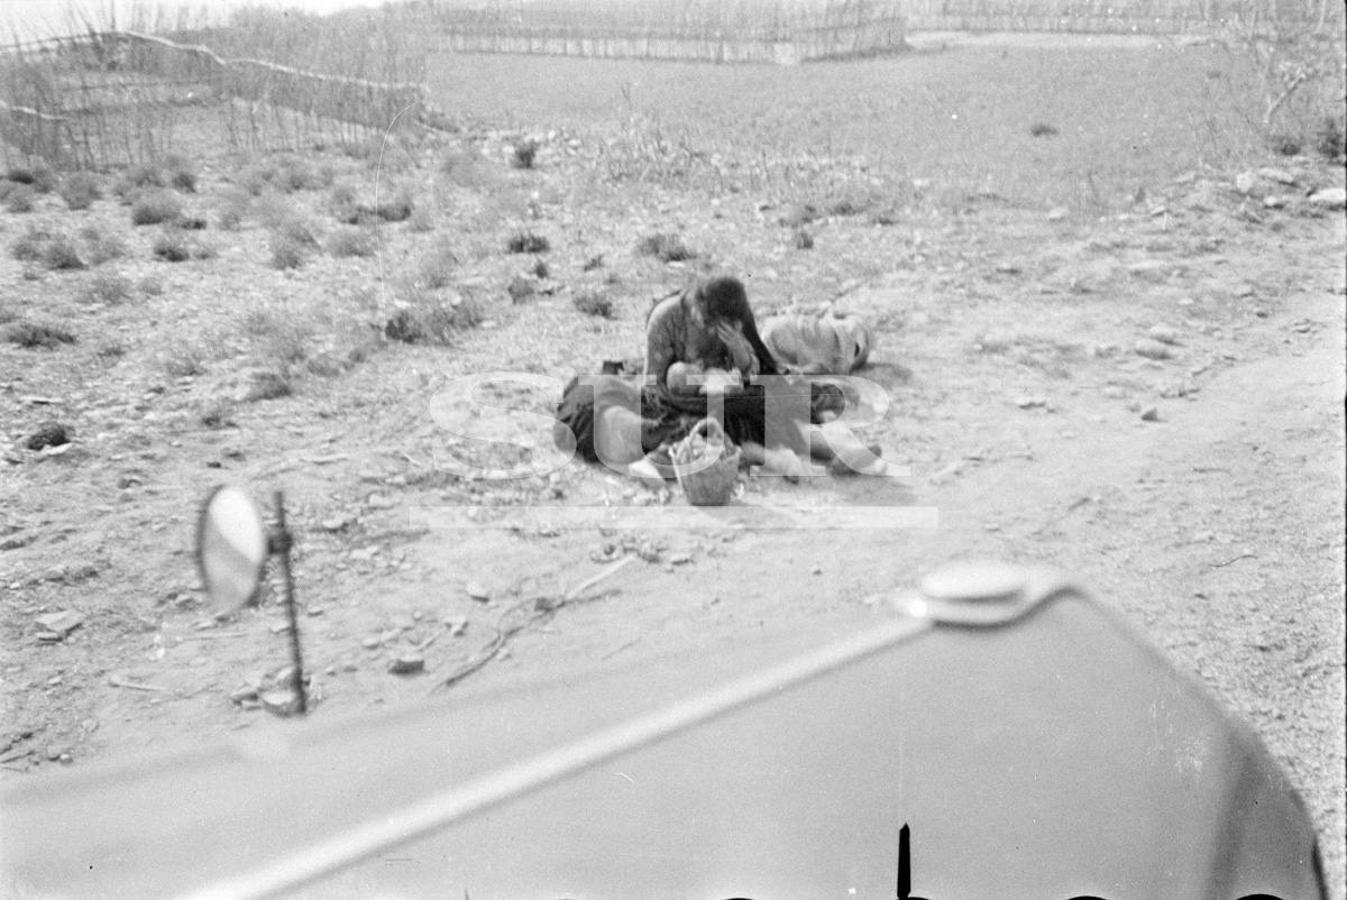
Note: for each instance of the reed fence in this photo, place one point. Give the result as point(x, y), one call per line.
point(120, 97)
point(1114, 16)
point(724, 33)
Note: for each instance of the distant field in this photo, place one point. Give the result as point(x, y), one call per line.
point(1124, 116)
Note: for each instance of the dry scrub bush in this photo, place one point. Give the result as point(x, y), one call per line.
point(101, 247)
point(156, 208)
point(185, 359)
point(428, 317)
point(352, 240)
point(524, 153)
point(436, 268)
point(172, 246)
point(20, 198)
point(595, 303)
point(233, 207)
point(527, 242)
point(61, 254)
point(37, 335)
point(40, 178)
point(110, 288)
point(79, 190)
point(286, 252)
point(664, 246)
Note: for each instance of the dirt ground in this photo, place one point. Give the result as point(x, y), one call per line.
point(1201, 493)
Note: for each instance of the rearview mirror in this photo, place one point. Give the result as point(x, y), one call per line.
point(231, 547)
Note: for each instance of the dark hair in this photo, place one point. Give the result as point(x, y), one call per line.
point(727, 300)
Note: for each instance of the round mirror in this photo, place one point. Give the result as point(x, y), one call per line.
point(231, 547)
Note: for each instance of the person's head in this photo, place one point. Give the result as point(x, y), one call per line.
point(724, 299)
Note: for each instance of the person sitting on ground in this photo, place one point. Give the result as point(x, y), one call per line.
point(701, 343)
point(705, 341)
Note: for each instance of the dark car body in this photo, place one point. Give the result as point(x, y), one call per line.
point(1031, 743)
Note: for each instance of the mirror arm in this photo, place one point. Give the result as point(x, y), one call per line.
point(280, 543)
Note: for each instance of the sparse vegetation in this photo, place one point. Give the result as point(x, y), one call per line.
point(185, 359)
point(110, 288)
point(595, 303)
point(61, 254)
point(437, 267)
point(79, 190)
point(36, 335)
point(172, 246)
point(524, 153)
point(527, 242)
point(664, 246)
point(20, 198)
point(156, 208)
point(352, 240)
point(288, 251)
point(101, 247)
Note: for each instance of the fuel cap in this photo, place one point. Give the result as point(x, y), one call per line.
point(975, 581)
point(977, 593)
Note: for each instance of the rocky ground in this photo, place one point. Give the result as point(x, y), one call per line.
point(1149, 397)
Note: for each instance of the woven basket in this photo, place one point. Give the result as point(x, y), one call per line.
point(707, 464)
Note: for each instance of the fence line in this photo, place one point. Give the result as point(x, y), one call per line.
point(116, 97)
point(843, 28)
point(1112, 16)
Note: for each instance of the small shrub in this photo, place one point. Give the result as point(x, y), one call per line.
point(397, 208)
point(40, 178)
point(664, 246)
point(172, 246)
point(524, 154)
point(136, 181)
point(527, 242)
point(595, 303)
point(269, 385)
point(21, 199)
point(296, 174)
point(287, 252)
point(1330, 140)
point(80, 190)
point(298, 229)
point(101, 247)
point(29, 247)
point(155, 208)
point(185, 360)
point(111, 349)
point(60, 254)
point(428, 317)
point(110, 288)
point(1042, 129)
point(344, 204)
point(180, 173)
point(217, 413)
point(234, 206)
point(351, 240)
point(36, 335)
point(540, 269)
point(436, 269)
point(1285, 144)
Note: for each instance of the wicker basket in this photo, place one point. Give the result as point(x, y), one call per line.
point(707, 464)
